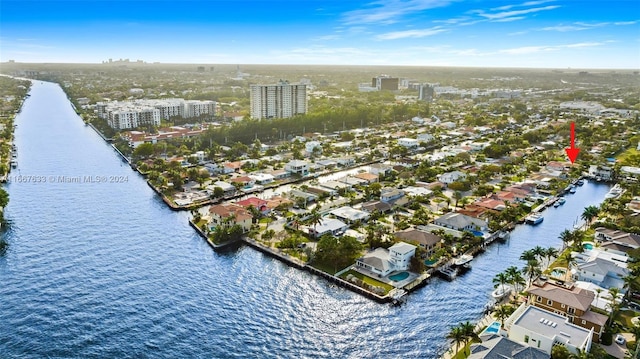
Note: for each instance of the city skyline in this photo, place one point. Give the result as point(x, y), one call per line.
point(536, 34)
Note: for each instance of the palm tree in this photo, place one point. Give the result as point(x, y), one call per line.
point(515, 278)
point(635, 330)
point(549, 253)
point(503, 312)
point(590, 213)
point(469, 331)
point(528, 255)
point(457, 335)
point(614, 305)
point(501, 279)
point(539, 252)
point(532, 270)
point(598, 291)
point(315, 218)
point(567, 237)
point(568, 259)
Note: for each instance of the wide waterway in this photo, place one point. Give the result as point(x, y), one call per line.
point(107, 270)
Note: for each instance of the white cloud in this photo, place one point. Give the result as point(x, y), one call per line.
point(390, 11)
point(509, 19)
point(410, 33)
point(537, 49)
point(506, 14)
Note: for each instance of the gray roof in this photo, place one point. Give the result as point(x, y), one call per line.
point(379, 259)
point(497, 347)
point(418, 236)
point(603, 267)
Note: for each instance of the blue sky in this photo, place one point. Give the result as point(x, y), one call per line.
point(536, 33)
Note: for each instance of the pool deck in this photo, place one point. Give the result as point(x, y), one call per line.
point(397, 284)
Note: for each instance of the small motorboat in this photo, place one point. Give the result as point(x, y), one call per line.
point(501, 291)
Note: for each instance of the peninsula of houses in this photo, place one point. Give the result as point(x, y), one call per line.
point(381, 187)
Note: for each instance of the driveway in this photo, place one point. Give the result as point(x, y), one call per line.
point(617, 350)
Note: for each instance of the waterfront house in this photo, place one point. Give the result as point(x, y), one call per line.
point(377, 261)
point(494, 346)
point(604, 173)
point(262, 178)
point(603, 272)
point(429, 242)
point(330, 226)
point(384, 261)
point(401, 254)
point(569, 301)
point(228, 188)
point(297, 167)
point(543, 329)
point(461, 222)
point(244, 181)
point(621, 238)
point(232, 213)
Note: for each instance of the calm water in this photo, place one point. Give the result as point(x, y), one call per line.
point(106, 270)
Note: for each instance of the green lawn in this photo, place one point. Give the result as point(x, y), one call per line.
point(462, 353)
point(368, 280)
point(624, 317)
point(629, 157)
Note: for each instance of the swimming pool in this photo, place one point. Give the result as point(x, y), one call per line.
point(559, 272)
point(399, 276)
point(493, 328)
point(587, 246)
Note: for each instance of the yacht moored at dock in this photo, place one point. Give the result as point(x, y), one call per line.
point(534, 218)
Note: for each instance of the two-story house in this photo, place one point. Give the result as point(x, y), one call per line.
point(231, 213)
point(569, 301)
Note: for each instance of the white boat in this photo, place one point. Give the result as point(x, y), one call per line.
point(556, 204)
point(463, 259)
point(572, 189)
point(562, 201)
point(501, 291)
point(534, 218)
point(614, 192)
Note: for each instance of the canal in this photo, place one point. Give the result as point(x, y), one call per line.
point(105, 269)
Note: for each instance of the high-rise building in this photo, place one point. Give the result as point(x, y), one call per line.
point(281, 100)
point(426, 92)
point(385, 82)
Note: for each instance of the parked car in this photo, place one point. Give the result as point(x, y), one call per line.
point(620, 339)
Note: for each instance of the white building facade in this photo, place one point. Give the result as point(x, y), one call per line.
point(281, 100)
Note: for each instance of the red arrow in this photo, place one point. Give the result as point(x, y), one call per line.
point(572, 152)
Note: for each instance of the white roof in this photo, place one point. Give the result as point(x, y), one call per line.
point(402, 248)
point(350, 213)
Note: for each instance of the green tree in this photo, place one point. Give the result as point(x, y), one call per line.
point(560, 352)
point(144, 150)
point(589, 214)
point(566, 237)
point(532, 270)
point(457, 335)
point(4, 198)
point(503, 312)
